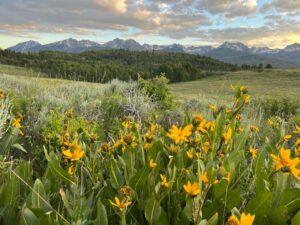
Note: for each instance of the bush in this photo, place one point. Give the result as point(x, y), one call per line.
point(157, 89)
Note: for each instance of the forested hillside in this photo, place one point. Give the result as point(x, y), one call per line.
point(103, 66)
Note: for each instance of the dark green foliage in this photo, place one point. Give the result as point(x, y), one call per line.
point(157, 89)
point(106, 65)
point(269, 66)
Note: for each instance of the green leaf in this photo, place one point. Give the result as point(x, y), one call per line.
point(65, 201)
point(259, 171)
point(19, 147)
point(278, 216)
point(260, 206)
point(152, 210)
point(53, 164)
point(28, 217)
point(139, 179)
point(117, 179)
point(291, 199)
point(39, 198)
point(213, 220)
point(296, 219)
point(101, 216)
point(187, 212)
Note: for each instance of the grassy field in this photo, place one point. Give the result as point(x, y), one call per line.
point(269, 83)
point(272, 83)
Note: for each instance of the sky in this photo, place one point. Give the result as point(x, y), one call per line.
point(271, 23)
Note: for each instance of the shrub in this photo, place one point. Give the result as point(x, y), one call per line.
point(157, 89)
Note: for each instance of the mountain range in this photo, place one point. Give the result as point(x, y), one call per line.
point(231, 52)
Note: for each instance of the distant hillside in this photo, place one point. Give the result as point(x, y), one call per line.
point(236, 53)
point(105, 65)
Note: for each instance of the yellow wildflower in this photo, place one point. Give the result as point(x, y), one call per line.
point(297, 143)
point(190, 154)
point(121, 204)
point(254, 128)
point(180, 134)
point(73, 156)
point(125, 190)
point(227, 135)
point(164, 181)
point(201, 127)
point(210, 125)
point(253, 152)
point(213, 108)
point(152, 164)
point(71, 169)
point(246, 219)
point(198, 117)
point(2, 95)
point(285, 163)
point(270, 122)
point(192, 189)
point(204, 177)
point(228, 176)
point(287, 137)
point(233, 220)
point(17, 123)
point(206, 146)
point(238, 117)
point(246, 98)
point(297, 131)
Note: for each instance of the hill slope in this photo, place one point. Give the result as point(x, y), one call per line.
point(105, 65)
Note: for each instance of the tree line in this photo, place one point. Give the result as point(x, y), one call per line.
point(105, 65)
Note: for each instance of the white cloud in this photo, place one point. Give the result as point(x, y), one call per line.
point(229, 8)
point(117, 5)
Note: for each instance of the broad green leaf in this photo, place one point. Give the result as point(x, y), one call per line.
point(53, 164)
point(296, 219)
point(39, 197)
point(291, 199)
point(101, 214)
point(259, 171)
point(260, 206)
point(278, 216)
point(137, 182)
point(213, 220)
point(116, 178)
point(28, 217)
point(152, 210)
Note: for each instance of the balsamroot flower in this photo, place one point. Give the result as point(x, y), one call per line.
point(152, 164)
point(192, 189)
point(286, 164)
point(227, 135)
point(178, 134)
point(74, 156)
point(121, 204)
point(245, 219)
point(164, 181)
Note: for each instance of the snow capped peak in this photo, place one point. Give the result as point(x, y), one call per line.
point(236, 46)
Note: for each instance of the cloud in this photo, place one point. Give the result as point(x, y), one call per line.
point(80, 16)
point(282, 6)
point(176, 19)
point(117, 5)
point(229, 8)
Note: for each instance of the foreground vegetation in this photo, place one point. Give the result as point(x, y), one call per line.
point(128, 153)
